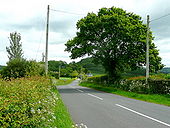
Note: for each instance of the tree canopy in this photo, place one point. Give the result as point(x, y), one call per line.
point(15, 48)
point(116, 39)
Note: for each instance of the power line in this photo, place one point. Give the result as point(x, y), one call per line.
point(67, 12)
point(160, 17)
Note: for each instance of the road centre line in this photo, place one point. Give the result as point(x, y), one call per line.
point(95, 96)
point(138, 113)
point(79, 90)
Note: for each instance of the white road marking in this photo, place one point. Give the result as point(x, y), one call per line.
point(79, 90)
point(151, 118)
point(95, 96)
point(80, 126)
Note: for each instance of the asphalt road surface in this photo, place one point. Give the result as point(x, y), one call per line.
point(94, 109)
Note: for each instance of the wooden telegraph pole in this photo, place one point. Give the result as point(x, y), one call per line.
point(147, 50)
point(46, 51)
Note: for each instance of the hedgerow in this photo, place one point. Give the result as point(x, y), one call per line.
point(27, 102)
point(136, 84)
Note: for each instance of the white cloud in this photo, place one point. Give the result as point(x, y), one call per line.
point(29, 17)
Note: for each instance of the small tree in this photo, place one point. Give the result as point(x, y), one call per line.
point(15, 48)
point(74, 74)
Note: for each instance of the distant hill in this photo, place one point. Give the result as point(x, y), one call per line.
point(93, 68)
point(165, 70)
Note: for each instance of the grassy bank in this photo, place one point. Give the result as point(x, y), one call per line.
point(158, 99)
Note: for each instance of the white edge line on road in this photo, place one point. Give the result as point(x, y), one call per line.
point(79, 90)
point(161, 122)
point(81, 125)
point(95, 96)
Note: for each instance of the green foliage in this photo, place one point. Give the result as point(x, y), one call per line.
point(27, 102)
point(100, 79)
point(167, 76)
point(135, 73)
point(54, 74)
point(74, 74)
point(54, 65)
point(15, 48)
point(114, 38)
point(91, 66)
point(17, 68)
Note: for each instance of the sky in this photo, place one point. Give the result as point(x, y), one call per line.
point(29, 19)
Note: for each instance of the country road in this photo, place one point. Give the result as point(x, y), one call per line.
point(95, 109)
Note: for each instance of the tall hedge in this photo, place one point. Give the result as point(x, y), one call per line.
point(26, 103)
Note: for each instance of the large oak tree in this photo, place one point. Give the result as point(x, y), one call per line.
point(116, 39)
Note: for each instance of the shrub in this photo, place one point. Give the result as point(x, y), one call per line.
point(54, 74)
point(18, 68)
point(26, 102)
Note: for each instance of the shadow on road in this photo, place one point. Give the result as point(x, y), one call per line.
point(77, 90)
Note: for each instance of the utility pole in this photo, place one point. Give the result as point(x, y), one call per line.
point(46, 51)
point(43, 57)
point(147, 50)
point(59, 70)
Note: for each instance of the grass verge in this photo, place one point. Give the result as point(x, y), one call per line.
point(63, 118)
point(57, 82)
point(153, 98)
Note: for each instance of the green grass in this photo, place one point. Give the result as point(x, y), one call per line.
point(153, 98)
point(62, 81)
point(65, 78)
point(63, 118)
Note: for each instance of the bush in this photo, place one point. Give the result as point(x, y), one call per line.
point(18, 68)
point(100, 79)
point(54, 74)
point(26, 102)
point(159, 86)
